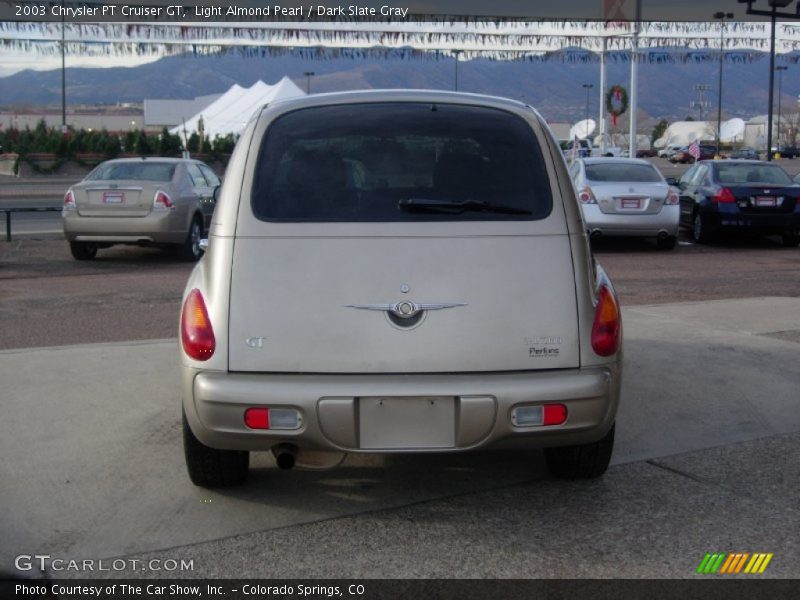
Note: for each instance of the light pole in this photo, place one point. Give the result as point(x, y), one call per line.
point(588, 87)
point(456, 54)
point(721, 16)
point(63, 76)
point(779, 70)
point(309, 75)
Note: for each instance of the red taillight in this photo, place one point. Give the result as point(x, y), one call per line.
point(162, 201)
point(554, 414)
point(69, 199)
point(257, 418)
point(197, 335)
point(586, 196)
point(724, 195)
point(672, 198)
point(606, 326)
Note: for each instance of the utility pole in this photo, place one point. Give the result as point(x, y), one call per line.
point(721, 16)
point(456, 54)
point(588, 87)
point(309, 75)
point(701, 103)
point(780, 71)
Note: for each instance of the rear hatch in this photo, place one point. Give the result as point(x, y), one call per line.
point(124, 188)
point(363, 214)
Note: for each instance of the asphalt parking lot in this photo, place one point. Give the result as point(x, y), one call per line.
point(705, 461)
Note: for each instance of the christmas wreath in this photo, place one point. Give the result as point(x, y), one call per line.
point(616, 102)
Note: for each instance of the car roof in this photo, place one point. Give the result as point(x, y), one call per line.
point(616, 159)
point(403, 95)
point(145, 159)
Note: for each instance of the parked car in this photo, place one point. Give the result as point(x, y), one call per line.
point(683, 156)
point(739, 196)
point(669, 151)
point(397, 271)
point(746, 153)
point(645, 153)
point(626, 197)
point(139, 201)
point(787, 151)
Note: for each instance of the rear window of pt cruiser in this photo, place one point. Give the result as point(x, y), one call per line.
point(400, 162)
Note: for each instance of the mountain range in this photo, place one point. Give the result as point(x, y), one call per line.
point(554, 87)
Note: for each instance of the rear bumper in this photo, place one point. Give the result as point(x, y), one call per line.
point(157, 227)
point(665, 221)
point(478, 412)
point(757, 223)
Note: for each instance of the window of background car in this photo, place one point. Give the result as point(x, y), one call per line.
point(146, 171)
point(211, 177)
point(628, 172)
point(751, 173)
point(196, 176)
point(355, 162)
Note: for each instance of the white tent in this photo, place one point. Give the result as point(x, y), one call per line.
point(684, 133)
point(231, 112)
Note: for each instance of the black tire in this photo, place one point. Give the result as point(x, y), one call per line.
point(790, 240)
point(584, 461)
point(700, 232)
point(667, 243)
point(83, 250)
point(212, 468)
point(190, 249)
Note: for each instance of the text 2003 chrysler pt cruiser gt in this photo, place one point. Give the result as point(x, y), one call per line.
point(397, 271)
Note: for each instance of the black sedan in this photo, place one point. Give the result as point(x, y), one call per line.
point(739, 196)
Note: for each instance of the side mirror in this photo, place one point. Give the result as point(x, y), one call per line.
point(215, 193)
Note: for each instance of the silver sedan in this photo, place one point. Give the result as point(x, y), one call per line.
point(165, 201)
point(626, 197)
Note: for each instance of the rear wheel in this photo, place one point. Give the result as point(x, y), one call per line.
point(790, 240)
point(190, 249)
point(212, 468)
point(83, 250)
point(700, 231)
point(667, 243)
point(584, 461)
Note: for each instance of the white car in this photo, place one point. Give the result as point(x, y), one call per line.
point(397, 271)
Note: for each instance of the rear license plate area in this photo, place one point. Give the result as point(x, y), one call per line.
point(406, 423)
point(766, 201)
point(113, 197)
point(630, 203)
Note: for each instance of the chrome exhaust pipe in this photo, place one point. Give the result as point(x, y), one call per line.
point(663, 234)
point(285, 455)
point(596, 234)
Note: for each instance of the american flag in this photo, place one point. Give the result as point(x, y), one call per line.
point(694, 150)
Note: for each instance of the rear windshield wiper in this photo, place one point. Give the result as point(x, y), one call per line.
point(458, 206)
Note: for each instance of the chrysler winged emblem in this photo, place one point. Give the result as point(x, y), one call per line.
point(406, 309)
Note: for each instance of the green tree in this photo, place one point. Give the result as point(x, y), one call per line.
point(194, 142)
point(142, 144)
point(659, 130)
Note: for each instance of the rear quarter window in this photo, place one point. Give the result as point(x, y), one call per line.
point(356, 162)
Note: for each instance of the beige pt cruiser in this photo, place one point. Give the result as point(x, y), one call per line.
point(397, 271)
